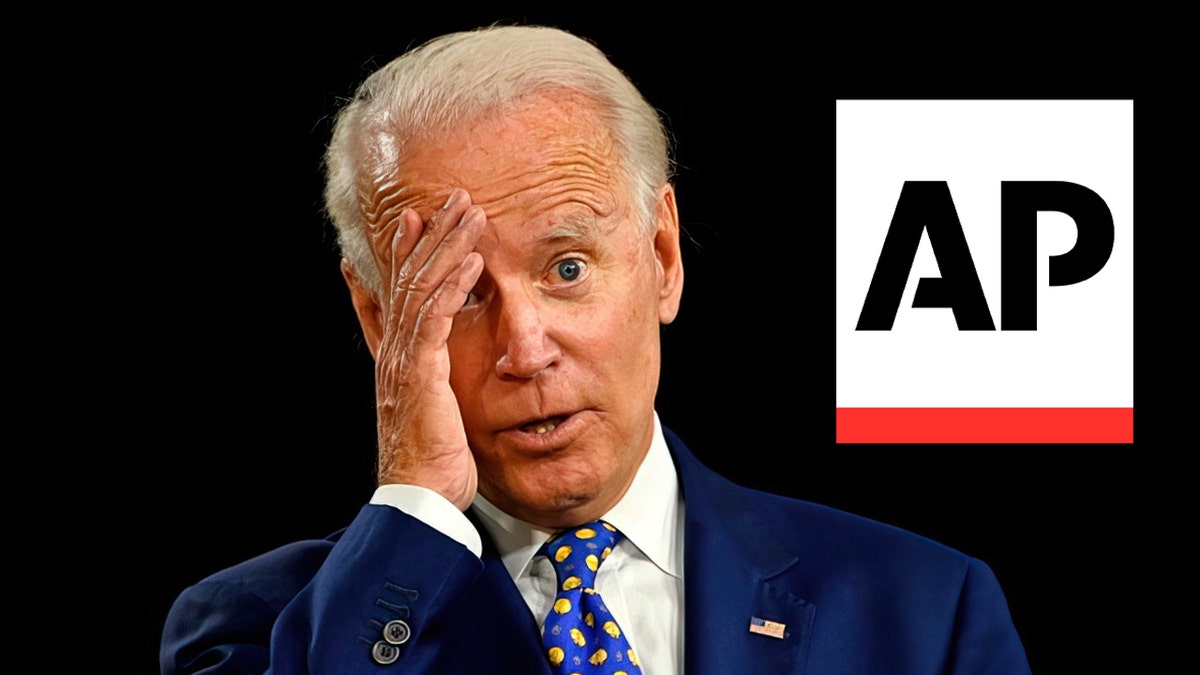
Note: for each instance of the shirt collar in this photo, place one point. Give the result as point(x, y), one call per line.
point(648, 517)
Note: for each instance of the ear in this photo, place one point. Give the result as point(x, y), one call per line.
point(668, 259)
point(370, 315)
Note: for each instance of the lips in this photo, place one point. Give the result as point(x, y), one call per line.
point(547, 433)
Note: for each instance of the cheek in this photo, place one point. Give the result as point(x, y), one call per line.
point(624, 337)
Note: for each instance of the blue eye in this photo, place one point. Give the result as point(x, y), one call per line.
point(569, 269)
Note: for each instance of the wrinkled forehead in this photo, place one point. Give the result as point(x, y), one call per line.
point(545, 149)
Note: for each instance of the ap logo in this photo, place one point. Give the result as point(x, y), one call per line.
point(985, 271)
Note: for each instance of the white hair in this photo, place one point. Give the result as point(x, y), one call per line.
point(453, 80)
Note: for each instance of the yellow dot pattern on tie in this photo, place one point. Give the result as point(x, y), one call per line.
point(586, 635)
point(577, 637)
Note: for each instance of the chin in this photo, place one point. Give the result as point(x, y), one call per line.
point(550, 501)
point(558, 498)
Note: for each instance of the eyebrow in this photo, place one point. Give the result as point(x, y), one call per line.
point(572, 228)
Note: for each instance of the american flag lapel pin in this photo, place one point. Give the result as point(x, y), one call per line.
point(769, 628)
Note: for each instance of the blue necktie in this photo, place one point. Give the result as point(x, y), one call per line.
point(579, 633)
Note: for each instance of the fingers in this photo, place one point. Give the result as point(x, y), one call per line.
point(424, 256)
point(403, 244)
point(446, 278)
point(450, 296)
point(434, 268)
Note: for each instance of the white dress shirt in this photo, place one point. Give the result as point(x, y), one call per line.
point(641, 581)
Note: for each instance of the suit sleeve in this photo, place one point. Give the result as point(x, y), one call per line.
point(322, 607)
point(985, 639)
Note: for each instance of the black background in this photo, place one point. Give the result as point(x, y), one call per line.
point(251, 418)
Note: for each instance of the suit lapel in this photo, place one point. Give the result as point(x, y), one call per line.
point(734, 573)
point(508, 614)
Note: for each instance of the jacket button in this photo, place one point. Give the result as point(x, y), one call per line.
point(384, 653)
point(396, 632)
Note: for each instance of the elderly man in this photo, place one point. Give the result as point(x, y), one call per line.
point(511, 246)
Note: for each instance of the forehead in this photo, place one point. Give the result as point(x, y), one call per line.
point(548, 153)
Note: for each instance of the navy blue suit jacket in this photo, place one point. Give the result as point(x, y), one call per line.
point(856, 596)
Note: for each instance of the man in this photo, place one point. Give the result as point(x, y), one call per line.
point(511, 246)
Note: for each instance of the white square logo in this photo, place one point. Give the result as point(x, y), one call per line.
point(984, 271)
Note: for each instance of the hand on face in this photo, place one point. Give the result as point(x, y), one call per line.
point(421, 436)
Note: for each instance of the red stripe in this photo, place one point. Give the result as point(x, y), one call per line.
point(985, 425)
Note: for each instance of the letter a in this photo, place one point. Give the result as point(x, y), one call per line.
point(926, 206)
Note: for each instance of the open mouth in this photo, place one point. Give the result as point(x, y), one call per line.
point(543, 426)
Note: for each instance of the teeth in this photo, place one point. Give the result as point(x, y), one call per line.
point(541, 427)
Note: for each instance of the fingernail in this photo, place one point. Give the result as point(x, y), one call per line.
point(448, 200)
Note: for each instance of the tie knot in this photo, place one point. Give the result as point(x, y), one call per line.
point(577, 553)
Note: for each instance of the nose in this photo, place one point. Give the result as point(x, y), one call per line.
point(526, 349)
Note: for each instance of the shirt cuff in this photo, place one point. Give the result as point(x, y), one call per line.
point(432, 509)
